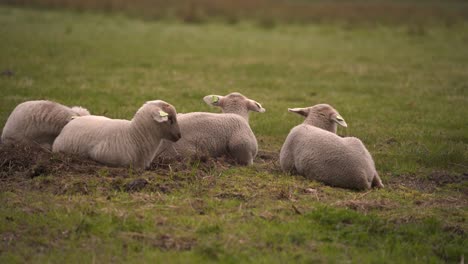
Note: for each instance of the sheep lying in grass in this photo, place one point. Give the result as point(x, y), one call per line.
point(322, 116)
point(118, 142)
point(234, 103)
point(314, 150)
point(215, 135)
point(38, 122)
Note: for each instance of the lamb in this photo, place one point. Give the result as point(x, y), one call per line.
point(322, 116)
point(117, 142)
point(234, 103)
point(215, 135)
point(38, 122)
point(314, 150)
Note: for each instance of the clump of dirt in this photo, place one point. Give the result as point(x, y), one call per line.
point(17, 158)
point(285, 194)
point(32, 161)
point(136, 185)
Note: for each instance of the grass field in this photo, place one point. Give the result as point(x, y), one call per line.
point(403, 90)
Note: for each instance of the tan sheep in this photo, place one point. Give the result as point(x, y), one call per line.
point(215, 135)
point(118, 142)
point(38, 122)
point(314, 150)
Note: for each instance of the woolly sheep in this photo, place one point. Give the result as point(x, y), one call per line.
point(314, 150)
point(117, 142)
point(38, 122)
point(215, 135)
point(322, 116)
point(234, 103)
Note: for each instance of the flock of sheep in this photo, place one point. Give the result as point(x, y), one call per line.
point(312, 149)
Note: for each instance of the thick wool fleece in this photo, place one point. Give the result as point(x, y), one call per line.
point(326, 157)
point(118, 142)
point(213, 135)
point(38, 122)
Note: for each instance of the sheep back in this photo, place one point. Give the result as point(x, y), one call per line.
point(213, 135)
point(37, 122)
point(326, 157)
point(99, 138)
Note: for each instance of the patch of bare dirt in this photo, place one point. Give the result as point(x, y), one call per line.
point(268, 161)
point(66, 174)
point(203, 164)
point(71, 174)
point(411, 181)
point(431, 182)
point(32, 161)
point(265, 156)
point(367, 205)
point(441, 178)
point(163, 242)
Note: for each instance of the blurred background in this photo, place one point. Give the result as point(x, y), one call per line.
point(270, 12)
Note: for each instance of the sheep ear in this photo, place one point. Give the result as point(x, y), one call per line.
point(161, 116)
point(339, 120)
point(80, 111)
point(300, 111)
point(256, 107)
point(213, 99)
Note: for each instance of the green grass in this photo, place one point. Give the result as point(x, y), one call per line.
point(403, 92)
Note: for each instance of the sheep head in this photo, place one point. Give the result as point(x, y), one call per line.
point(321, 115)
point(166, 116)
point(234, 103)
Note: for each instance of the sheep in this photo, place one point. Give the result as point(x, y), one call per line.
point(117, 142)
point(38, 122)
point(314, 150)
point(215, 135)
point(322, 116)
point(234, 103)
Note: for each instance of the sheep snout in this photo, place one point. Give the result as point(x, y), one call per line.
point(173, 136)
point(177, 137)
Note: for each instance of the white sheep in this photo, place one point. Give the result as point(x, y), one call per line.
point(234, 103)
point(117, 142)
point(314, 150)
point(322, 116)
point(38, 122)
point(215, 135)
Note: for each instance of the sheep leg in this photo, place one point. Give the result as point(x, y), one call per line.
point(287, 161)
point(377, 182)
point(241, 153)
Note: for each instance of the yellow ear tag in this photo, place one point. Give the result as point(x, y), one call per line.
point(163, 114)
point(214, 99)
point(339, 118)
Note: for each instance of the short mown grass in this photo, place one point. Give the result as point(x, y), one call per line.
point(402, 91)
